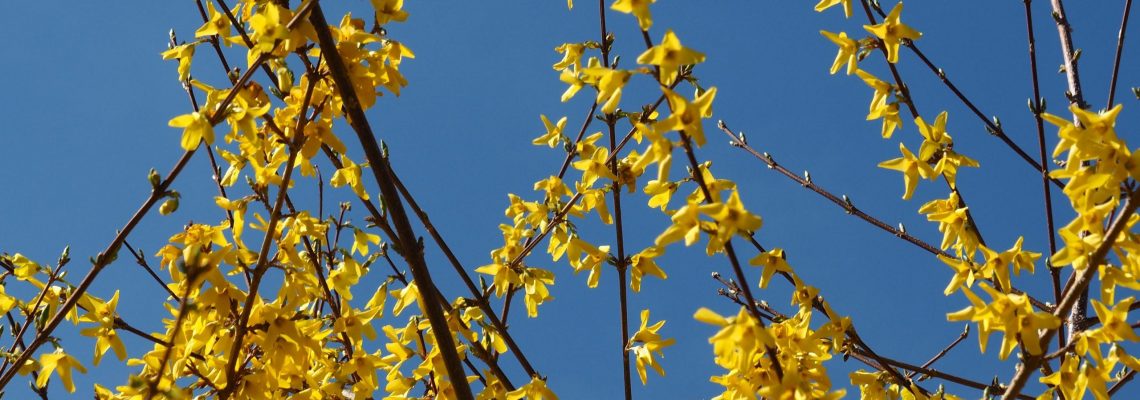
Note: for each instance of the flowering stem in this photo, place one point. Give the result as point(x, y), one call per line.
point(101, 261)
point(1078, 288)
point(909, 101)
point(413, 253)
point(610, 119)
point(142, 262)
point(259, 271)
point(991, 126)
point(1038, 107)
point(850, 207)
point(687, 144)
point(480, 298)
point(183, 308)
point(965, 333)
point(1075, 96)
point(622, 267)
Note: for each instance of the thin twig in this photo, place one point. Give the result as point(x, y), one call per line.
point(1037, 106)
point(928, 363)
point(1119, 51)
point(849, 206)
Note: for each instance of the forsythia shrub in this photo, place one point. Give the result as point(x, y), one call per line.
point(269, 303)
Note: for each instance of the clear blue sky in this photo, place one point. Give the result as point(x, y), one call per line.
point(88, 98)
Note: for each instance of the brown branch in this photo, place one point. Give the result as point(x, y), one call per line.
point(101, 261)
point(945, 376)
point(991, 125)
point(849, 207)
point(928, 363)
point(413, 253)
point(1119, 51)
point(1037, 106)
point(259, 271)
point(480, 299)
point(1079, 286)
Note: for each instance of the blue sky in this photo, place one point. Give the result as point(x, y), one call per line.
point(89, 98)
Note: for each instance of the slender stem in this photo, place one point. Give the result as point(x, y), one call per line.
point(1065, 31)
point(622, 268)
point(480, 298)
point(1037, 106)
point(945, 350)
point(850, 207)
point(1119, 51)
point(745, 288)
point(909, 101)
point(944, 376)
point(1075, 96)
point(618, 231)
point(259, 271)
point(991, 126)
point(413, 253)
point(101, 261)
point(142, 262)
point(183, 308)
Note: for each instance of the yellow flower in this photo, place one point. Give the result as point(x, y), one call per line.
point(389, 10)
point(882, 89)
point(740, 339)
point(103, 314)
point(950, 162)
point(848, 52)
point(535, 390)
point(639, 9)
point(594, 167)
point(1070, 378)
point(344, 277)
point(963, 274)
point(349, 174)
point(571, 55)
point(686, 224)
point(825, 4)
point(360, 241)
point(643, 264)
point(889, 112)
point(953, 222)
point(652, 343)
point(185, 54)
point(219, 24)
point(912, 169)
point(609, 83)
point(595, 256)
point(891, 31)
point(669, 55)
point(1010, 314)
point(687, 116)
point(196, 128)
point(62, 364)
point(505, 277)
point(404, 297)
point(731, 218)
point(773, 261)
point(934, 136)
point(1114, 325)
point(553, 133)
